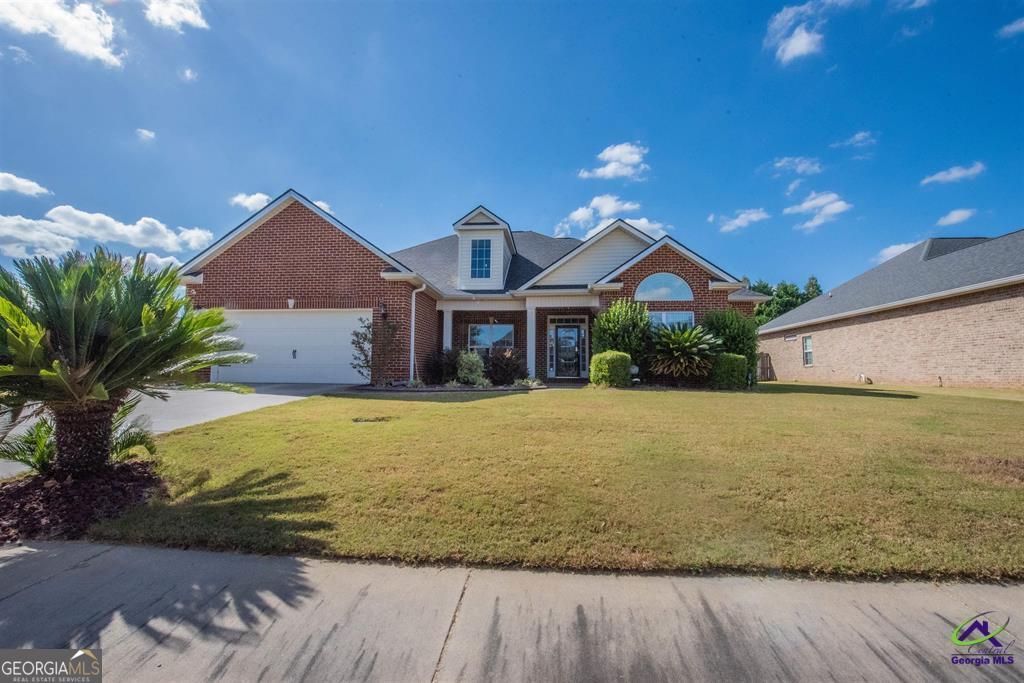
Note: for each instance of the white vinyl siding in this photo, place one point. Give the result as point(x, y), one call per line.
point(498, 249)
point(312, 347)
point(596, 261)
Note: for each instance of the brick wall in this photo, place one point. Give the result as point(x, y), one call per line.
point(427, 329)
point(297, 254)
point(976, 339)
point(668, 260)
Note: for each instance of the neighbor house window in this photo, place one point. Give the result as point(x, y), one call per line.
point(808, 351)
point(669, 318)
point(480, 264)
point(663, 287)
point(487, 336)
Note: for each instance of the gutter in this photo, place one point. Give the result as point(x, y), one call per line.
point(925, 298)
point(412, 333)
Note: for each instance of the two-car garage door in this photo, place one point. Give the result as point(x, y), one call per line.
point(295, 346)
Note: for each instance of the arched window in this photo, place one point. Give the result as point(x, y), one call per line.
point(663, 287)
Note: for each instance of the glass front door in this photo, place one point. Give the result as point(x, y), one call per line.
point(567, 350)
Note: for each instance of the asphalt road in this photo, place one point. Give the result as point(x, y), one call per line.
point(172, 615)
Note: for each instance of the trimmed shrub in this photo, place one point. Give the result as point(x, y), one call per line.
point(729, 372)
point(624, 326)
point(610, 368)
point(738, 334)
point(505, 366)
point(441, 367)
point(471, 368)
point(683, 352)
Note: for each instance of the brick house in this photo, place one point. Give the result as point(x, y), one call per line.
point(949, 311)
point(296, 282)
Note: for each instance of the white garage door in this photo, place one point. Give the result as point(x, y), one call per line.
point(295, 346)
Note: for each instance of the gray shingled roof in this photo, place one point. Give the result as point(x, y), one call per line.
point(438, 260)
point(933, 266)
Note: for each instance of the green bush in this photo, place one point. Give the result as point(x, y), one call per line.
point(505, 366)
point(729, 372)
point(471, 368)
point(441, 367)
point(624, 326)
point(683, 352)
point(738, 333)
point(610, 368)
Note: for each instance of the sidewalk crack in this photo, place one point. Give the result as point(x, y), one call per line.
point(451, 627)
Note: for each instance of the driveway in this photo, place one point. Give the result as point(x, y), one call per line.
point(173, 615)
point(184, 408)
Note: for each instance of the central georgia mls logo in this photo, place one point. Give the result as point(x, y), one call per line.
point(983, 640)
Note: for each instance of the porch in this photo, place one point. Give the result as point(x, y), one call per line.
point(552, 335)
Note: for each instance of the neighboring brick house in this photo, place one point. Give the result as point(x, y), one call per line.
point(296, 282)
point(949, 311)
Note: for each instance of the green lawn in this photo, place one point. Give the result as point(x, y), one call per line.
point(832, 480)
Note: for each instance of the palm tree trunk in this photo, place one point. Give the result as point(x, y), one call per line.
point(83, 435)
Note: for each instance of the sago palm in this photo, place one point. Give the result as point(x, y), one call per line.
point(683, 352)
point(78, 334)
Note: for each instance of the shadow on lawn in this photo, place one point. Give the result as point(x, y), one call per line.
point(830, 390)
point(426, 396)
point(170, 596)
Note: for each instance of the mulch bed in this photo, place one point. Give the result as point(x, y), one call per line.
point(40, 507)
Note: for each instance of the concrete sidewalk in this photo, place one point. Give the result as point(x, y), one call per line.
point(186, 615)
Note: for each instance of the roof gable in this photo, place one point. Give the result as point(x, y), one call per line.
point(269, 211)
point(681, 249)
point(641, 237)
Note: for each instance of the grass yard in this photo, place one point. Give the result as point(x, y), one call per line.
point(842, 481)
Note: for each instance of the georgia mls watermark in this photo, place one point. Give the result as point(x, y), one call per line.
point(983, 640)
point(51, 666)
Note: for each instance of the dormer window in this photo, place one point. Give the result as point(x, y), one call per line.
point(480, 265)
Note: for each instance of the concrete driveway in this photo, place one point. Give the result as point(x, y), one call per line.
point(188, 407)
point(174, 615)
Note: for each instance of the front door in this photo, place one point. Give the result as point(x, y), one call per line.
point(567, 351)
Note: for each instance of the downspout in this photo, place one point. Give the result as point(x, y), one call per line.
point(412, 333)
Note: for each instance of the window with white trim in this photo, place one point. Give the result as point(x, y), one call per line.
point(671, 318)
point(808, 351)
point(480, 259)
point(486, 336)
point(663, 287)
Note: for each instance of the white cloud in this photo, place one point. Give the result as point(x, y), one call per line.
point(955, 174)
point(798, 165)
point(22, 237)
point(892, 250)
point(905, 5)
point(85, 29)
point(743, 218)
point(610, 205)
point(796, 30)
point(12, 183)
point(601, 206)
point(793, 186)
point(63, 226)
point(800, 43)
point(652, 228)
point(711, 218)
point(188, 75)
point(864, 138)
point(323, 205)
point(624, 160)
point(956, 216)
point(173, 14)
point(19, 55)
point(154, 261)
point(823, 207)
point(1014, 28)
point(144, 134)
point(250, 202)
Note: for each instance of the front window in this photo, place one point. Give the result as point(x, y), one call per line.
point(480, 264)
point(808, 351)
point(663, 287)
point(670, 318)
point(487, 336)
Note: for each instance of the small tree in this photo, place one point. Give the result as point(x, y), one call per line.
point(624, 326)
point(372, 349)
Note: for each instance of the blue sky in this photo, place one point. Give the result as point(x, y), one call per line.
point(143, 120)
